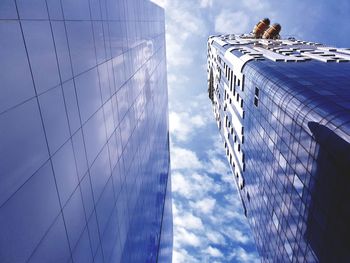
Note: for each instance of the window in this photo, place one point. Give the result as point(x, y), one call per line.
point(256, 102)
point(298, 185)
point(256, 92)
point(275, 220)
point(256, 97)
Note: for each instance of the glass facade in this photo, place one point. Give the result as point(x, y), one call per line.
point(286, 129)
point(84, 144)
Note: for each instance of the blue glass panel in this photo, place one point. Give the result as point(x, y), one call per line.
point(125, 130)
point(119, 73)
point(54, 117)
point(71, 106)
point(88, 92)
point(111, 76)
point(74, 216)
point(95, 135)
point(79, 152)
point(103, 10)
point(116, 253)
point(99, 256)
point(55, 10)
point(118, 180)
point(94, 233)
point(95, 9)
point(8, 9)
point(86, 192)
point(109, 120)
point(61, 42)
point(82, 251)
point(113, 150)
point(26, 217)
point(34, 9)
point(122, 217)
point(99, 41)
point(110, 238)
point(100, 172)
point(15, 79)
point(76, 10)
point(105, 206)
point(116, 38)
point(41, 54)
point(65, 171)
point(81, 45)
point(18, 163)
point(106, 33)
point(54, 247)
point(122, 101)
point(115, 10)
point(104, 82)
point(115, 110)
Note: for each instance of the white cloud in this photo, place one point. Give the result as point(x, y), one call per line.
point(215, 237)
point(177, 79)
point(219, 166)
point(183, 124)
point(188, 221)
point(184, 237)
point(236, 234)
point(256, 5)
point(182, 256)
point(240, 255)
point(177, 56)
point(206, 3)
point(232, 22)
point(204, 206)
point(182, 158)
point(194, 185)
point(183, 24)
point(185, 21)
point(214, 252)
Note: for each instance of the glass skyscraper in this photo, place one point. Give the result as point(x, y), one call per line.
point(283, 110)
point(84, 144)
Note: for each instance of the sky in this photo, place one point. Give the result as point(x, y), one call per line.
point(209, 225)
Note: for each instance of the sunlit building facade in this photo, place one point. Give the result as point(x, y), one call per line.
point(282, 107)
point(84, 143)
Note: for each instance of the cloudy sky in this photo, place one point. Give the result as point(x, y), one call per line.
point(209, 225)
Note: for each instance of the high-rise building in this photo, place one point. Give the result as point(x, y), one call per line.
point(84, 144)
point(283, 110)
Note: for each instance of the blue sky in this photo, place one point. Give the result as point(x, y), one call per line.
point(209, 225)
